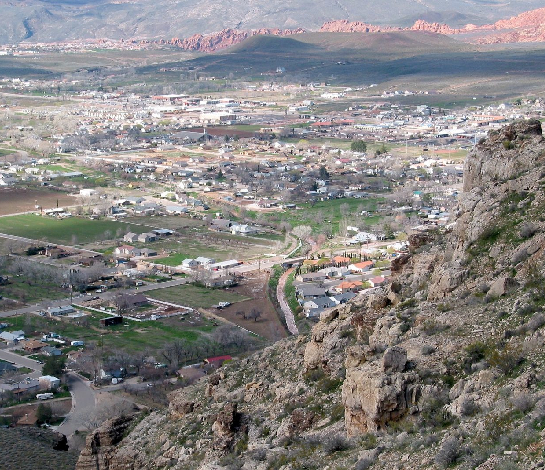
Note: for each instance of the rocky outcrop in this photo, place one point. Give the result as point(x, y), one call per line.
point(376, 393)
point(226, 38)
point(100, 445)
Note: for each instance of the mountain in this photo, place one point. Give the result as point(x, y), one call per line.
point(58, 20)
point(442, 368)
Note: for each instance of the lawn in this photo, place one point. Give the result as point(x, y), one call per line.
point(72, 230)
point(195, 296)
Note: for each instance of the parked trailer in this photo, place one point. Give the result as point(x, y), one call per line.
point(44, 396)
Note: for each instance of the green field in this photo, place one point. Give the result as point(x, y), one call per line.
point(195, 296)
point(63, 231)
point(131, 336)
point(329, 212)
point(19, 289)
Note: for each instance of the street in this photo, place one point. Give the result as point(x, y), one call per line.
point(83, 405)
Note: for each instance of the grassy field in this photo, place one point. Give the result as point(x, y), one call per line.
point(329, 212)
point(20, 290)
point(64, 231)
point(194, 296)
point(131, 336)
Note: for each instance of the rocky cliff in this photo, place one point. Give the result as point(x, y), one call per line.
point(442, 368)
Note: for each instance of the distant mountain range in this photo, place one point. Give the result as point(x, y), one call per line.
point(61, 20)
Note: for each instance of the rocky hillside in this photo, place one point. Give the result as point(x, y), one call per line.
point(442, 369)
point(61, 20)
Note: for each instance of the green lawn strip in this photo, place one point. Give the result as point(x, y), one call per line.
point(174, 259)
point(67, 230)
point(195, 296)
point(289, 292)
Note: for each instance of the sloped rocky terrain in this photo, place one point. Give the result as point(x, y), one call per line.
point(444, 368)
point(61, 20)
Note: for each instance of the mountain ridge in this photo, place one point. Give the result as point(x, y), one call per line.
point(51, 21)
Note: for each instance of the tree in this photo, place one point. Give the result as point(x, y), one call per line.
point(358, 146)
point(255, 314)
point(324, 175)
point(44, 413)
point(54, 365)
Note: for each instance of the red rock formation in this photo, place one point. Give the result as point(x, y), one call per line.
point(421, 25)
point(345, 26)
point(225, 38)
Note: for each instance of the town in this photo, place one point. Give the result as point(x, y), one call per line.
point(147, 236)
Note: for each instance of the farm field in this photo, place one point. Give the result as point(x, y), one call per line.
point(15, 200)
point(72, 230)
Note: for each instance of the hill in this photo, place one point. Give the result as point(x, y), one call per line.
point(441, 369)
point(60, 20)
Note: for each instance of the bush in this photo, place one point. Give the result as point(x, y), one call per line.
point(335, 443)
point(449, 453)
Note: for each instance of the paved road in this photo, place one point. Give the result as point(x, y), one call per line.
point(22, 361)
point(83, 405)
point(286, 310)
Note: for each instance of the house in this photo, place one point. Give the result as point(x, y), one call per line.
point(130, 237)
point(147, 237)
point(49, 382)
point(56, 253)
point(377, 281)
point(126, 251)
point(190, 263)
point(204, 261)
point(231, 263)
point(314, 307)
point(348, 286)
point(341, 260)
point(243, 230)
point(12, 336)
point(361, 267)
point(51, 351)
point(147, 252)
point(32, 345)
point(217, 361)
point(342, 298)
point(133, 300)
point(63, 310)
point(310, 277)
point(333, 272)
point(310, 291)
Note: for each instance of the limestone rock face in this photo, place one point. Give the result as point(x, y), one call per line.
point(373, 398)
point(100, 446)
point(224, 427)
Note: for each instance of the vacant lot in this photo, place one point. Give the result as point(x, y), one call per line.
point(69, 231)
point(15, 200)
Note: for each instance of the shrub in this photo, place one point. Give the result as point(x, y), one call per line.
point(508, 145)
point(335, 443)
point(449, 453)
